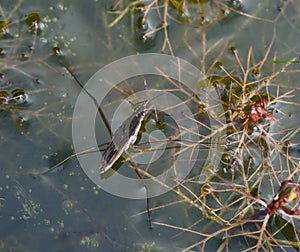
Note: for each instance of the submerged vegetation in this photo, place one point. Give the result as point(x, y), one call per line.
point(248, 201)
point(257, 163)
point(151, 17)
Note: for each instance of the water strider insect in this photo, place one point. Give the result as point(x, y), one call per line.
point(124, 136)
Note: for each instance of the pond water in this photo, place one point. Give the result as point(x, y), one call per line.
point(232, 43)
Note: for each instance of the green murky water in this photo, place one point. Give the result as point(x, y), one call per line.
point(64, 210)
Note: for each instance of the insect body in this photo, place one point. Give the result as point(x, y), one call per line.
point(124, 136)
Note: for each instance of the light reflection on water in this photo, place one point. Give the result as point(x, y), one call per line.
point(64, 210)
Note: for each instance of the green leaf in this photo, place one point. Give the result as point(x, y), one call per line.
point(17, 92)
point(254, 191)
point(288, 230)
point(32, 18)
point(3, 25)
point(4, 97)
